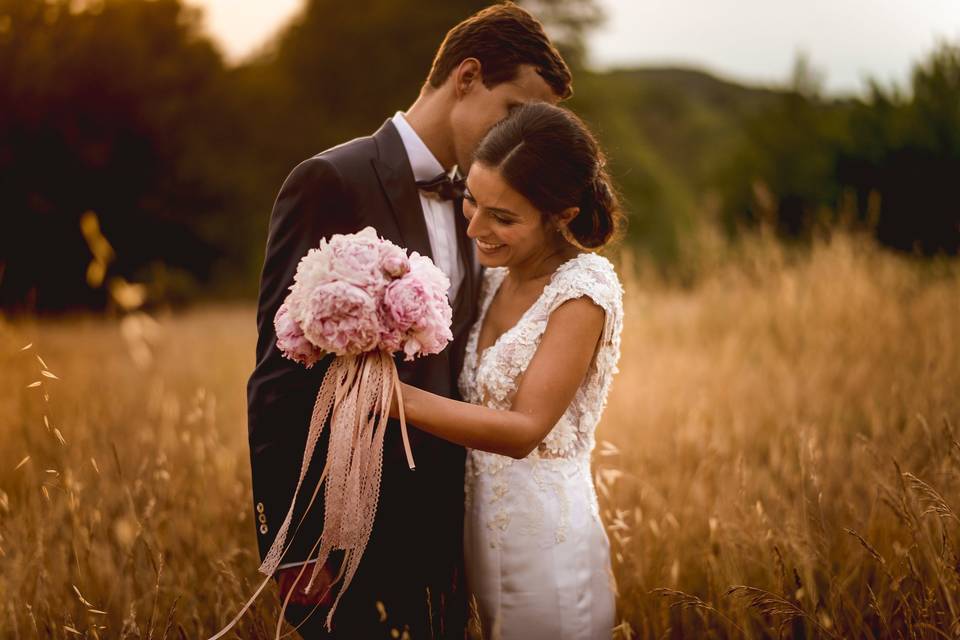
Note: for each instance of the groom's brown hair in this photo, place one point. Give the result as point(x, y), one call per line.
point(502, 37)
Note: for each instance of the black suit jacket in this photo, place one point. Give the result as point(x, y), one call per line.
point(416, 545)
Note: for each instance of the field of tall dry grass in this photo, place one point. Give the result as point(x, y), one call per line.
point(779, 458)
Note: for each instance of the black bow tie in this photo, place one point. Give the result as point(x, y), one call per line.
point(444, 187)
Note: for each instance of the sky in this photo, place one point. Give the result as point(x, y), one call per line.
point(752, 41)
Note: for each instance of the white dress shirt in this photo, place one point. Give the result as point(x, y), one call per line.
point(439, 215)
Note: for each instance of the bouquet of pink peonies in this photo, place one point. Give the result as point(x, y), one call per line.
point(361, 299)
point(358, 293)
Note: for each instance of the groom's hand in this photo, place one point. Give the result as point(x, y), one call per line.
point(319, 592)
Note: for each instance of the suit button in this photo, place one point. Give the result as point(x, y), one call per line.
point(263, 528)
point(262, 518)
point(259, 507)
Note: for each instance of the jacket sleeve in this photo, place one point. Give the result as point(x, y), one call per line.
point(313, 203)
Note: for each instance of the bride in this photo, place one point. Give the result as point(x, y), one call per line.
point(537, 370)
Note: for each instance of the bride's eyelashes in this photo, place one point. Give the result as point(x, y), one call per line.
point(471, 203)
point(498, 218)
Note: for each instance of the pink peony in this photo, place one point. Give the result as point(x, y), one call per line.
point(291, 341)
point(404, 303)
point(341, 318)
point(422, 268)
point(434, 332)
point(416, 315)
point(358, 292)
point(393, 260)
point(353, 258)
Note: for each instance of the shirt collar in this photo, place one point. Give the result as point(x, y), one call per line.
point(424, 164)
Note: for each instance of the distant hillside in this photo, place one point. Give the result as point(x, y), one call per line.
point(718, 92)
point(688, 115)
point(667, 132)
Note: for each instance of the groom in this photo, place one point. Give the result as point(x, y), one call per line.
point(400, 181)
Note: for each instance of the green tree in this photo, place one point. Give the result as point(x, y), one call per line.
point(568, 22)
point(113, 107)
point(904, 157)
point(896, 151)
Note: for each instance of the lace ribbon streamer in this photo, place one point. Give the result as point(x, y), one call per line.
point(355, 394)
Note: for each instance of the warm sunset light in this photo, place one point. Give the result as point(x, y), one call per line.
point(472, 320)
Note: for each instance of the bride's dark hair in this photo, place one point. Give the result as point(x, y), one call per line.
point(549, 156)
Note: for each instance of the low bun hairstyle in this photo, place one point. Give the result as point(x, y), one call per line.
point(548, 155)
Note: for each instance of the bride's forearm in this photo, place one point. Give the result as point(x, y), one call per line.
point(508, 433)
point(549, 385)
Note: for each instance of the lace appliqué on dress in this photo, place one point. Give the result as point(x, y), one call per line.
point(492, 378)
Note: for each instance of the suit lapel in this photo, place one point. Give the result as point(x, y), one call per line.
point(467, 292)
point(396, 177)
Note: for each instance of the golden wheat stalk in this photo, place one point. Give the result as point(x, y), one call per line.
point(683, 600)
point(930, 498)
point(775, 606)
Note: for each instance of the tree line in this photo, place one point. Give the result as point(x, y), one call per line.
point(125, 110)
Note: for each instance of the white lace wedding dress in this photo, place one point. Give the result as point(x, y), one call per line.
point(537, 556)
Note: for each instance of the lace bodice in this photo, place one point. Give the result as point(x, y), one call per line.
point(492, 377)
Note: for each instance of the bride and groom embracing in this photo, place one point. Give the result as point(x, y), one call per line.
point(501, 510)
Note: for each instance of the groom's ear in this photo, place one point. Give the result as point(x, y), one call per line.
point(467, 76)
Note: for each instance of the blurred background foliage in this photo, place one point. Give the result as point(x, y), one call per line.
point(126, 108)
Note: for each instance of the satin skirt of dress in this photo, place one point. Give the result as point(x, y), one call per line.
point(537, 556)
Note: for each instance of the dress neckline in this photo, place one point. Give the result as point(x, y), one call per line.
point(478, 356)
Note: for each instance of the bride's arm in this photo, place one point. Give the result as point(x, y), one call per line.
point(546, 390)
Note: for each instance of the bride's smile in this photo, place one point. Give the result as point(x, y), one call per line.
point(488, 247)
